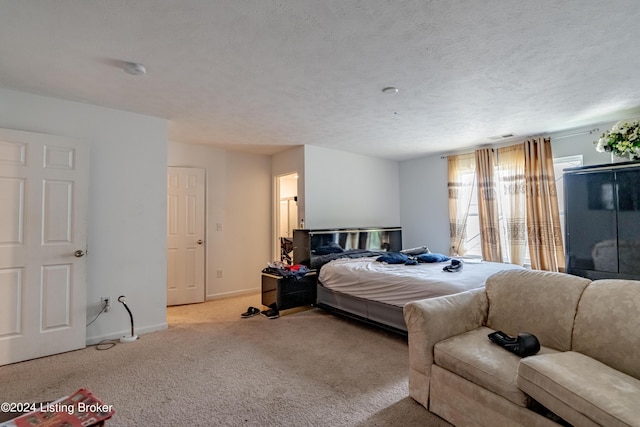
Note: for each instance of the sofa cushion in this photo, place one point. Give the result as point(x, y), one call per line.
point(575, 386)
point(541, 303)
point(607, 325)
point(474, 357)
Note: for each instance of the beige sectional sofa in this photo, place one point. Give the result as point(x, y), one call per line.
point(587, 372)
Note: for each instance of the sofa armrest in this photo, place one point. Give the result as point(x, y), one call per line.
point(430, 321)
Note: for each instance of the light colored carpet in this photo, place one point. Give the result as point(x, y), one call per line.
point(212, 368)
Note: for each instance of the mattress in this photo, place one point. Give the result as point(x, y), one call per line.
point(398, 284)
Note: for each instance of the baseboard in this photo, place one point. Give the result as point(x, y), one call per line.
point(118, 335)
point(233, 294)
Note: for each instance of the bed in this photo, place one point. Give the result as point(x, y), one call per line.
point(351, 281)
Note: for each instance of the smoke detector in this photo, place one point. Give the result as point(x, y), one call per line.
point(134, 68)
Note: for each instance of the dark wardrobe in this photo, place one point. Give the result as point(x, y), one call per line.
point(602, 221)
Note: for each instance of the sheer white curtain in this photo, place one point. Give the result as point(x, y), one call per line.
point(513, 204)
point(460, 184)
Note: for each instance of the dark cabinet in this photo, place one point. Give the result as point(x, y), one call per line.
point(602, 221)
point(288, 292)
point(629, 221)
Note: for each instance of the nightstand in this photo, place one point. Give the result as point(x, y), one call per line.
point(288, 292)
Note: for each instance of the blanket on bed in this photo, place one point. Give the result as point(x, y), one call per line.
point(398, 284)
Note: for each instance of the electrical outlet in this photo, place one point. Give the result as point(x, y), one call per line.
point(219, 274)
point(106, 303)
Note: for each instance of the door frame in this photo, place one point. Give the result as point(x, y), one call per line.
point(275, 235)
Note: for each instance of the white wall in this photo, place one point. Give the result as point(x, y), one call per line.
point(349, 190)
point(424, 203)
point(581, 144)
point(238, 197)
point(127, 204)
point(423, 187)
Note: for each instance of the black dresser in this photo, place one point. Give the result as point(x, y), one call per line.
point(288, 292)
point(602, 221)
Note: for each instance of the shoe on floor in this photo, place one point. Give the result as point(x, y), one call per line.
point(251, 311)
point(271, 313)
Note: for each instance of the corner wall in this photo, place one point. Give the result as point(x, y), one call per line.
point(343, 189)
point(127, 204)
point(424, 203)
point(583, 143)
point(238, 194)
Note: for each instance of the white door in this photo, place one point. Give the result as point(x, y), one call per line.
point(185, 235)
point(43, 208)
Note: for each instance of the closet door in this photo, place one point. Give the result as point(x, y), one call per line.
point(590, 227)
point(628, 194)
point(185, 235)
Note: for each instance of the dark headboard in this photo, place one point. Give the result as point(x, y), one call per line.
point(310, 244)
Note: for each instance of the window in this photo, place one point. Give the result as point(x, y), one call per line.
point(473, 244)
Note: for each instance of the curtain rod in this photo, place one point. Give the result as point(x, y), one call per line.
point(590, 132)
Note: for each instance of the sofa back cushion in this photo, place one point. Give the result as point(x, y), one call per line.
point(607, 326)
point(539, 302)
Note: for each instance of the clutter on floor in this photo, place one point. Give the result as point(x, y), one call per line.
point(251, 311)
point(272, 312)
point(81, 409)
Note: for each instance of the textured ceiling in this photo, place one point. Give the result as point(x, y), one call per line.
point(261, 75)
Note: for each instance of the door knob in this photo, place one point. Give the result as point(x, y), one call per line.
point(200, 241)
point(78, 254)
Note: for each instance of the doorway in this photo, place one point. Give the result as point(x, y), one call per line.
point(286, 216)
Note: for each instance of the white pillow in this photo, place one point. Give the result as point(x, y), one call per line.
point(416, 251)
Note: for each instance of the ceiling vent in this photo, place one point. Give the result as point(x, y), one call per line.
point(498, 137)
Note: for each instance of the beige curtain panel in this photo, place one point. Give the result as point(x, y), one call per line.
point(543, 216)
point(488, 214)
